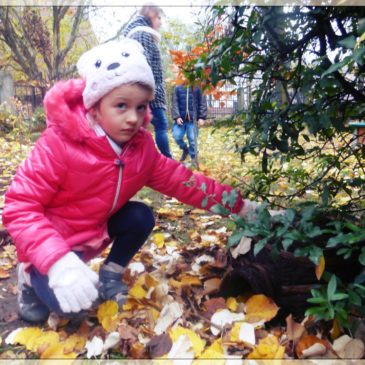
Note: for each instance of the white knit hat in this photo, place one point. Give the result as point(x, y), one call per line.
point(110, 65)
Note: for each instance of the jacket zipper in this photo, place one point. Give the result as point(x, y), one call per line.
point(119, 162)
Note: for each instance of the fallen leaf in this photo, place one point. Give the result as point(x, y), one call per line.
point(260, 308)
point(4, 274)
point(94, 347)
point(214, 351)
point(136, 268)
point(57, 351)
point(314, 351)
point(232, 304)
point(243, 332)
point(111, 340)
point(169, 314)
point(348, 348)
point(181, 349)
point(159, 239)
point(212, 286)
point(213, 305)
point(159, 346)
point(107, 315)
point(242, 248)
point(267, 348)
point(294, 330)
point(223, 318)
point(197, 343)
point(320, 267)
point(306, 342)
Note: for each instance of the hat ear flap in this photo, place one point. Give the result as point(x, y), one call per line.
point(132, 42)
point(82, 64)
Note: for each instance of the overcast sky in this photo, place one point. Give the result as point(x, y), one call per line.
point(108, 20)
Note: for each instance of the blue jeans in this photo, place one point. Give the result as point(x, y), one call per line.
point(130, 227)
point(179, 131)
point(161, 124)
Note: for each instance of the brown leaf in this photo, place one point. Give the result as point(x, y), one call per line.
point(138, 351)
point(159, 346)
point(294, 330)
point(128, 333)
point(212, 286)
point(4, 274)
point(213, 305)
point(308, 341)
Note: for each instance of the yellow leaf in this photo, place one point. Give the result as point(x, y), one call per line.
point(320, 268)
point(235, 332)
point(57, 351)
point(197, 342)
point(214, 351)
point(267, 348)
point(137, 292)
point(74, 343)
point(107, 315)
point(155, 313)
point(27, 336)
point(260, 308)
point(150, 281)
point(232, 304)
point(47, 339)
point(107, 309)
point(159, 239)
point(188, 280)
point(335, 330)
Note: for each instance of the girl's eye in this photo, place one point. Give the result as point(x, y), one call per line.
point(121, 105)
point(142, 108)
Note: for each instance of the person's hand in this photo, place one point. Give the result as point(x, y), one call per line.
point(248, 209)
point(179, 121)
point(73, 283)
point(201, 122)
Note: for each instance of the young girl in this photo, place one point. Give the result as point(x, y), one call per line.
point(71, 197)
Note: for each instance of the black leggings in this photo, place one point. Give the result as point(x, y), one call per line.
point(130, 228)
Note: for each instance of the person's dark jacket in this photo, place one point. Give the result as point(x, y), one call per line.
point(152, 52)
point(182, 104)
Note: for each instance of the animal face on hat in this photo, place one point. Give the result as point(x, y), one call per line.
point(110, 65)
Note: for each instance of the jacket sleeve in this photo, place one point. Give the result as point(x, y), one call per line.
point(33, 187)
point(203, 108)
point(175, 180)
point(175, 113)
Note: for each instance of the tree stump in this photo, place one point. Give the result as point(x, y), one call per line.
point(286, 279)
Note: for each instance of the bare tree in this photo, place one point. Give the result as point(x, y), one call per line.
point(39, 41)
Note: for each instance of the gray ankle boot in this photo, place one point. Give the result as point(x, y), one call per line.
point(111, 285)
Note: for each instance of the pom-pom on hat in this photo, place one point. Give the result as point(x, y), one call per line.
point(110, 65)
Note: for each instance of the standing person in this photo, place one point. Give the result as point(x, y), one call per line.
point(71, 197)
point(144, 28)
point(185, 113)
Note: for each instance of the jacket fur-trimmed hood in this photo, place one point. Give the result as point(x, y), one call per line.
point(65, 110)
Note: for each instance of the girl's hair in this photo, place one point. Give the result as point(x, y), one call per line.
point(150, 8)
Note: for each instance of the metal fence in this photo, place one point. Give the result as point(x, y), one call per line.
point(230, 103)
point(30, 96)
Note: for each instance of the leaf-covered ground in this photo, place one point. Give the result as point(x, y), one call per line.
point(174, 309)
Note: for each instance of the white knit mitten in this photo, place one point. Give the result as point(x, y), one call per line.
point(73, 283)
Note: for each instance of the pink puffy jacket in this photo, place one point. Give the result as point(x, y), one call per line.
point(72, 182)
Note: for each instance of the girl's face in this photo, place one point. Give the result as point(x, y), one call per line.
point(122, 111)
point(156, 21)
